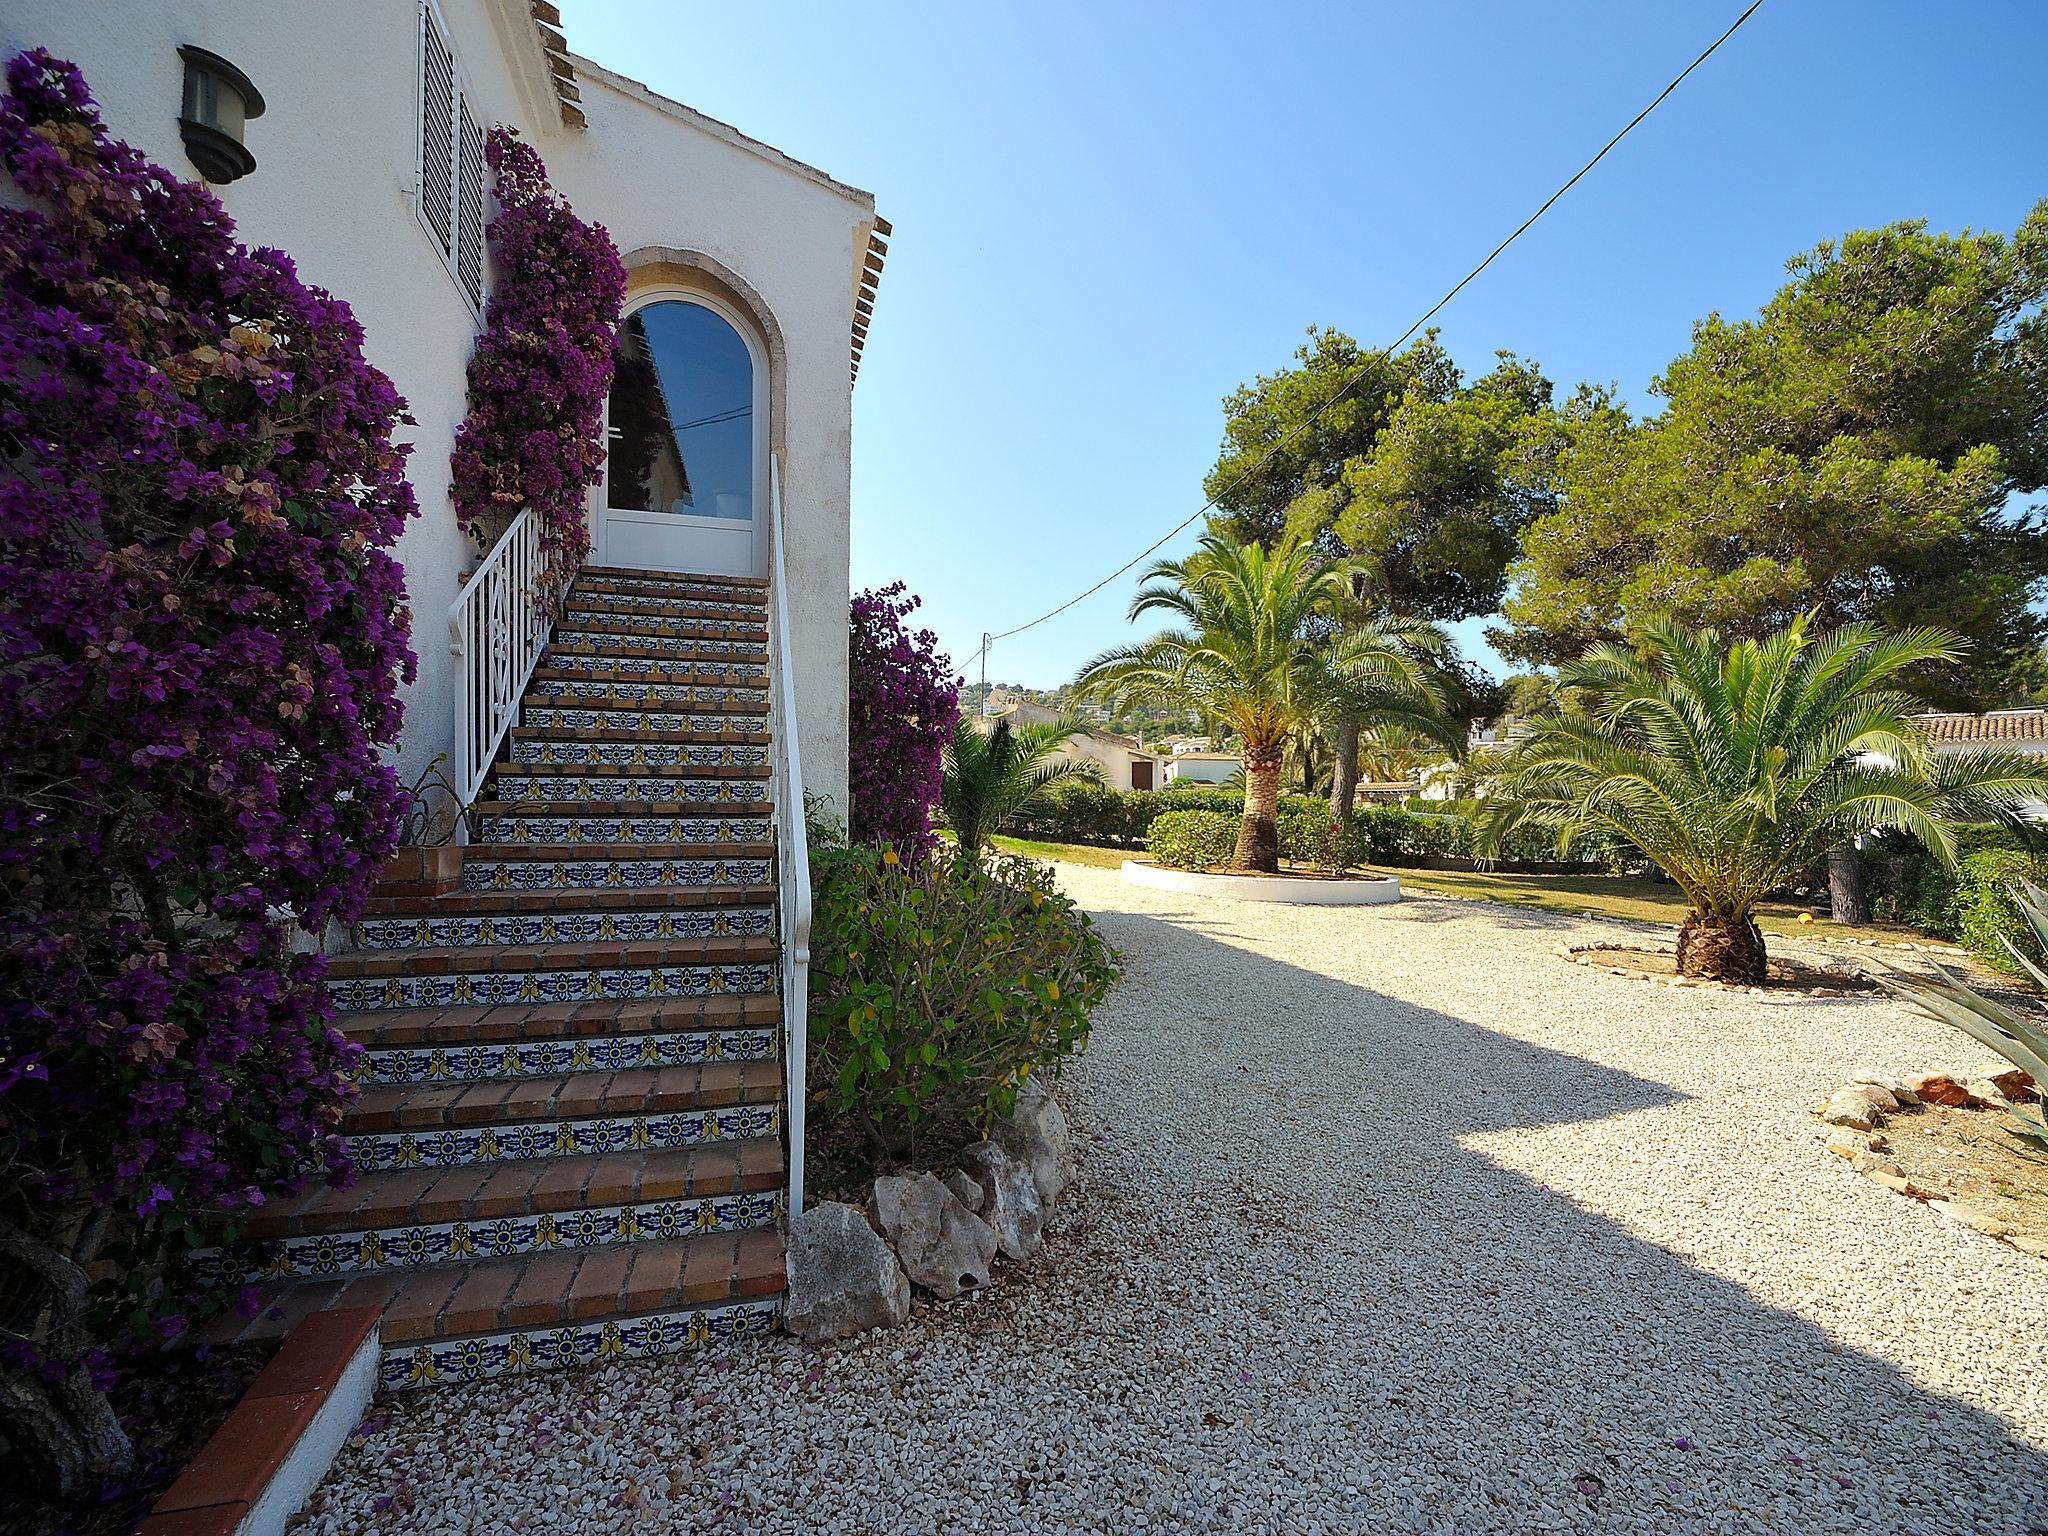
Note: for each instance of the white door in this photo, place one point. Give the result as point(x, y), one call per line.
point(685, 476)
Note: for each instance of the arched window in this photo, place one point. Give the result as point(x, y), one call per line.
point(684, 477)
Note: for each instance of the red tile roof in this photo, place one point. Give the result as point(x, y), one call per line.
point(2004, 727)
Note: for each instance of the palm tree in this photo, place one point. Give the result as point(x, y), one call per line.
point(993, 775)
point(1737, 767)
point(1256, 654)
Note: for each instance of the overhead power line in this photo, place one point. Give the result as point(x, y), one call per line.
point(1366, 363)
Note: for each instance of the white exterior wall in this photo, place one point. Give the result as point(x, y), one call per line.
point(334, 189)
point(660, 178)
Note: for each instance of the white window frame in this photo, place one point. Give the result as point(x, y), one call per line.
point(460, 100)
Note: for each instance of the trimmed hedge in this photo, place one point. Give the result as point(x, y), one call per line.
point(1081, 811)
point(1194, 839)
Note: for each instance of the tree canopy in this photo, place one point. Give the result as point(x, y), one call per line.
point(1864, 449)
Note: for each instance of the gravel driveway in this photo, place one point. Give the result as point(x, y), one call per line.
point(1390, 1221)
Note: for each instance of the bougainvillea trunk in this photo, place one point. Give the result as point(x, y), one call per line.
point(1258, 834)
point(1717, 950)
point(202, 640)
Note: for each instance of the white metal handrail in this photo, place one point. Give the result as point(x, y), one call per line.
point(792, 847)
point(497, 627)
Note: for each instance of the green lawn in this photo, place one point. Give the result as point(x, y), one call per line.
point(1643, 901)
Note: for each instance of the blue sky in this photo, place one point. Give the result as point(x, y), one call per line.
point(1108, 215)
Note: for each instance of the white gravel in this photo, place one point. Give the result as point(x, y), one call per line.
point(1390, 1220)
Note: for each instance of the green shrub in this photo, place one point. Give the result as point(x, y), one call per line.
point(1907, 884)
point(936, 991)
point(1982, 911)
point(1194, 839)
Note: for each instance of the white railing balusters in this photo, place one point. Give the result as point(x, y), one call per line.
point(792, 847)
point(497, 627)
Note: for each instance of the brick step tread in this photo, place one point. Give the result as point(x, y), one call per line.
point(437, 960)
point(614, 899)
point(733, 707)
point(755, 583)
point(630, 853)
point(559, 650)
point(547, 674)
point(601, 810)
point(569, 1096)
point(484, 1296)
point(580, 733)
point(489, 1191)
point(635, 770)
point(511, 1022)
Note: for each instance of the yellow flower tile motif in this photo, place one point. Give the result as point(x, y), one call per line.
point(423, 1369)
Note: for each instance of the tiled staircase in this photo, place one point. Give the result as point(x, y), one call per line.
point(569, 1136)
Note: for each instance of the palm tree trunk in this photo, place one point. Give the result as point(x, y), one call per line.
point(1715, 950)
point(1258, 835)
point(1344, 773)
point(1851, 903)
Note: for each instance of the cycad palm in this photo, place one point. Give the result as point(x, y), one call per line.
point(993, 775)
point(1736, 767)
point(1255, 654)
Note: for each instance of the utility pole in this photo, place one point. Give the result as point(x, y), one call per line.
point(984, 674)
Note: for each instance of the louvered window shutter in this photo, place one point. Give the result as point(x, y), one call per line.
point(437, 132)
point(469, 224)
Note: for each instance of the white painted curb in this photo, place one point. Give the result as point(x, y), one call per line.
point(1362, 891)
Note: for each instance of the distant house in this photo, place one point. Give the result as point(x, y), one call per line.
point(1201, 767)
point(2011, 730)
point(1122, 760)
point(1179, 744)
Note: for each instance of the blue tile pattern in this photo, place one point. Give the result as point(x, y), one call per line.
point(610, 602)
point(608, 874)
point(640, 754)
point(494, 827)
point(555, 717)
point(590, 643)
point(494, 988)
point(522, 1140)
point(627, 625)
point(377, 1249)
point(452, 930)
point(389, 1065)
point(649, 1336)
point(694, 695)
point(529, 786)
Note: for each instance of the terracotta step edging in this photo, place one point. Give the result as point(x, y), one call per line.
point(264, 1462)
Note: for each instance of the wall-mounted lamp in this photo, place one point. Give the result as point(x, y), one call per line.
point(219, 98)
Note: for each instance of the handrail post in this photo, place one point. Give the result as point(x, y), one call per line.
point(498, 626)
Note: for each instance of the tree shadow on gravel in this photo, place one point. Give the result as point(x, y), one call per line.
point(1486, 1351)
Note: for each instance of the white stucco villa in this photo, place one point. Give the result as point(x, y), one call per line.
point(1120, 761)
point(1195, 767)
point(576, 1136)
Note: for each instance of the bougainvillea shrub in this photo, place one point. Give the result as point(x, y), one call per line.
point(202, 639)
point(534, 436)
point(904, 699)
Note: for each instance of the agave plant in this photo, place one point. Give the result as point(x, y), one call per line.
point(2020, 1040)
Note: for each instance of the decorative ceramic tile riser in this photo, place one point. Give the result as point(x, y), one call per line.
point(587, 642)
point(739, 673)
point(601, 606)
point(609, 874)
point(494, 988)
point(594, 585)
point(459, 930)
point(640, 754)
point(690, 695)
point(529, 786)
point(517, 828)
point(652, 1336)
point(522, 1140)
point(510, 1237)
point(551, 1058)
point(550, 716)
point(752, 630)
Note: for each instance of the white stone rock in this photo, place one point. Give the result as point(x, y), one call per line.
point(842, 1277)
point(965, 1190)
point(1860, 1106)
point(1035, 1134)
point(1010, 1202)
point(942, 1245)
